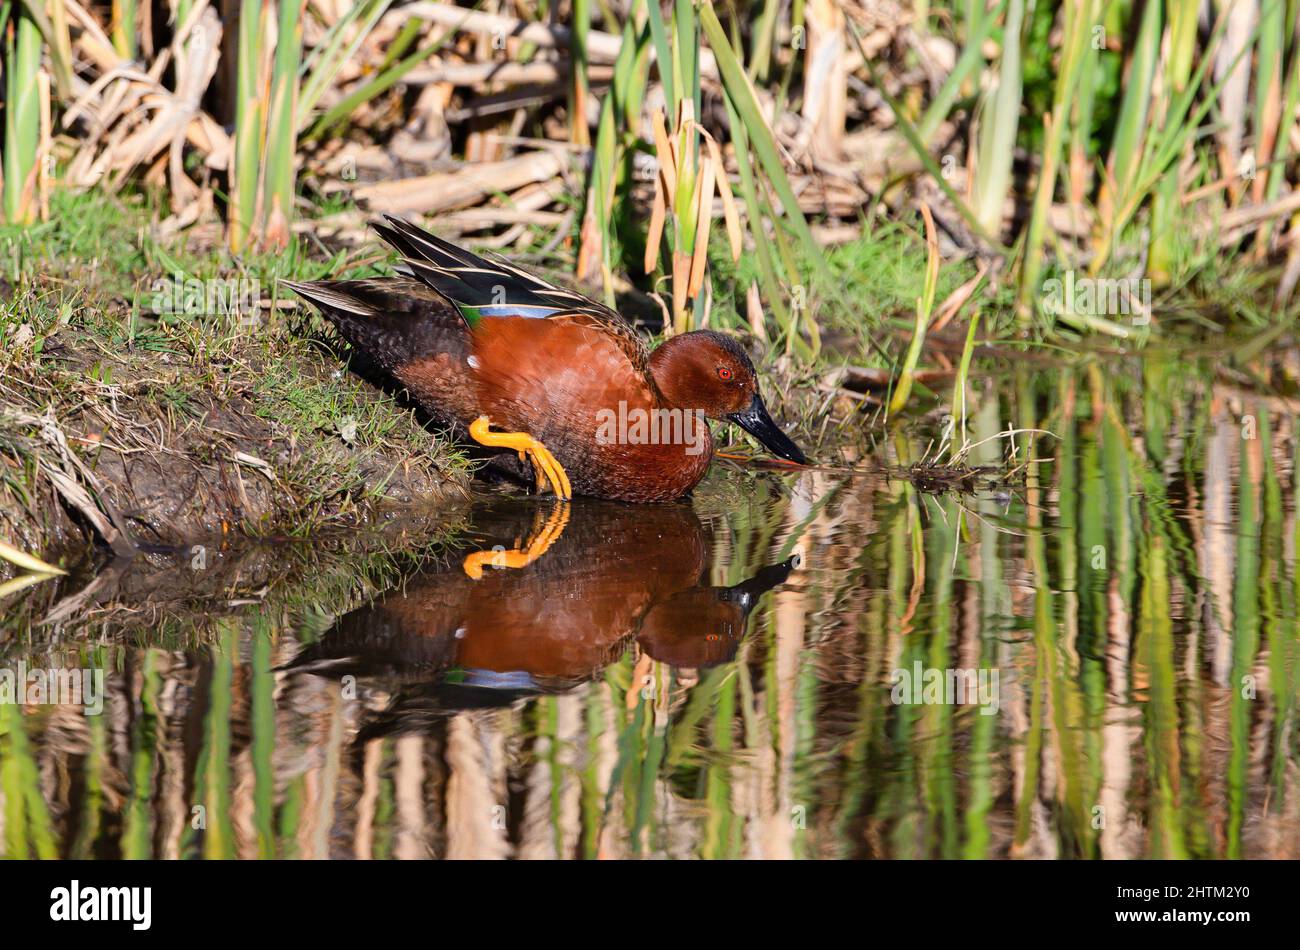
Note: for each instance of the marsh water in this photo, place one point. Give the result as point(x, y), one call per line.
point(1089, 650)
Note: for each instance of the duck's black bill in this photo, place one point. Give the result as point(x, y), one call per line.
point(747, 592)
point(759, 424)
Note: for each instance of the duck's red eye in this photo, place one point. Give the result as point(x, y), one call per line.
point(724, 373)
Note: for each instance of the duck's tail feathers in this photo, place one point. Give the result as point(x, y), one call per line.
point(333, 295)
point(394, 320)
point(478, 286)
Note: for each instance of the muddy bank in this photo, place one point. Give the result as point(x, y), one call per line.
point(156, 439)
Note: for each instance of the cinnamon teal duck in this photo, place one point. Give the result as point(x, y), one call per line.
point(516, 363)
point(453, 636)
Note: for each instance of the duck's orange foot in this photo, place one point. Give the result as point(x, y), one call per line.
point(520, 557)
point(547, 469)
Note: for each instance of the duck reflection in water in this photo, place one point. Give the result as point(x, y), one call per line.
point(541, 601)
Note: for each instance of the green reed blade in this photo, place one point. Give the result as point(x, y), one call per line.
point(22, 118)
point(1136, 104)
point(1166, 200)
point(580, 17)
point(663, 56)
point(760, 136)
point(263, 741)
point(1079, 27)
point(767, 278)
point(764, 38)
point(687, 50)
point(321, 68)
point(1245, 641)
point(58, 42)
point(247, 144)
point(971, 59)
point(998, 127)
point(281, 128)
point(138, 826)
point(381, 83)
point(124, 28)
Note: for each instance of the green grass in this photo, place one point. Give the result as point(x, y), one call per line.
point(870, 289)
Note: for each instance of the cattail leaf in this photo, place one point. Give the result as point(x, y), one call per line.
point(742, 97)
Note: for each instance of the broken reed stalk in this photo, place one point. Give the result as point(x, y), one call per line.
point(958, 423)
point(27, 561)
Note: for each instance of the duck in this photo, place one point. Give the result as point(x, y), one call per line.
point(498, 355)
point(451, 637)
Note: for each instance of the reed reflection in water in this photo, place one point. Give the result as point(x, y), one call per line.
point(676, 681)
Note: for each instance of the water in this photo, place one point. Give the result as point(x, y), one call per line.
point(778, 669)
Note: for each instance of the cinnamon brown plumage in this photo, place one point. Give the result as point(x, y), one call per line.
point(471, 338)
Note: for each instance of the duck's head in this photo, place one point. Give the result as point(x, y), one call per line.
point(710, 372)
point(704, 626)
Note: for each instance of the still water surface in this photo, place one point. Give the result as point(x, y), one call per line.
point(1095, 660)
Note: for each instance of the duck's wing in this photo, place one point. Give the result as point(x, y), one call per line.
point(483, 288)
point(394, 320)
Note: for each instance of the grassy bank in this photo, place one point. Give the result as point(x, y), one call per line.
point(137, 402)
